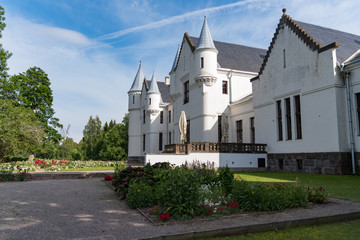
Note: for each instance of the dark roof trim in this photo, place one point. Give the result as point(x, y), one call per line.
point(191, 44)
point(299, 31)
point(254, 78)
point(327, 47)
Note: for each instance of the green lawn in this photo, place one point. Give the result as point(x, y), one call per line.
point(346, 187)
point(87, 169)
point(340, 231)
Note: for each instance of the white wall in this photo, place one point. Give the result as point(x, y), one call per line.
point(233, 160)
point(315, 78)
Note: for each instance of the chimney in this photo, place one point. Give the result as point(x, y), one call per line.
point(167, 80)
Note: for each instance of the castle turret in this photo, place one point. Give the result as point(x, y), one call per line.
point(135, 137)
point(153, 109)
point(205, 72)
point(205, 58)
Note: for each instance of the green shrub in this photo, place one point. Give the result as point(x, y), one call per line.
point(317, 195)
point(140, 194)
point(263, 197)
point(178, 193)
point(226, 179)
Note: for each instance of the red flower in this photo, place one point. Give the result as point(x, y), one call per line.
point(164, 216)
point(220, 209)
point(17, 166)
point(233, 205)
point(109, 178)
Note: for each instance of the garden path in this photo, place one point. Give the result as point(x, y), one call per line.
point(88, 209)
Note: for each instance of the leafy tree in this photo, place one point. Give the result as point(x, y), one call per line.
point(4, 55)
point(31, 89)
point(115, 141)
point(20, 131)
point(92, 138)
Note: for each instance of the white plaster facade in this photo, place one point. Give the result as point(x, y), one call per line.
point(299, 74)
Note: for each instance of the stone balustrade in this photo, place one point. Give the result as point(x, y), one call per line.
point(215, 147)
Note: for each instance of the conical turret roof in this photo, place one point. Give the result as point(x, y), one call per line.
point(153, 85)
point(176, 59)
point(205, 39)
point(139, 78)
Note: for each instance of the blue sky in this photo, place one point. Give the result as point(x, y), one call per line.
point(91, 49)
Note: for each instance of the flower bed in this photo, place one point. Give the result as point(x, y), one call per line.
point(56, 165)
point(187, 192)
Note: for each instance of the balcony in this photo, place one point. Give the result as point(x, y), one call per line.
point(215, 147)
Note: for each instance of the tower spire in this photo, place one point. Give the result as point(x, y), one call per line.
point(139, 78)
point(153, 85)
point(205, 39)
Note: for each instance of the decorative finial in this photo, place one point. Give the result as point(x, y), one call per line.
point(140, 63)
point(284, 10)
point(205, 17)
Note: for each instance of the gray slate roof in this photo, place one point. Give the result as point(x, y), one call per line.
point(138, 81)
point(238, 57)
point(205, 39)
point(164, 91)
point(348, 43)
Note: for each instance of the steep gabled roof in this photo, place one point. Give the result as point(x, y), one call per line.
point(232, 56)
point(348, 43)
point(175, 60)
point(317, 39)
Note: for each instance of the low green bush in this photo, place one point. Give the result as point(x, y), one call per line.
point(140, 194)
point(226, 179)
point(179, 193)
point(263, 197)
point(317, 195)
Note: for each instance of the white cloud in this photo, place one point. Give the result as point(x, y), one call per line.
point(84, 81)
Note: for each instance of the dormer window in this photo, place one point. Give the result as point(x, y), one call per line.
point(202, 62)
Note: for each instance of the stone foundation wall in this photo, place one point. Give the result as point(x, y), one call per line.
point(136, 161)
point(316, 163)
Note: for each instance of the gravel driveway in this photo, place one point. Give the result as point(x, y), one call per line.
point(88, 209)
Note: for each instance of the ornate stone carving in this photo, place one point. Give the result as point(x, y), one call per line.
point(153, 112)
point(207, 80)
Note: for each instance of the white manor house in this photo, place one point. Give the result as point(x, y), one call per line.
point(294, 107)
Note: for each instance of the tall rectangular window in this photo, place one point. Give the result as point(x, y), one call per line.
point(298, 117)
point(252, 130)
point(288, 118)
point(161, 117)
point(284, 58)
point(143, 142)
point(160, 141)
point(169, 116)
point(186, 92)
point(133, 99)
point(279, 120)
point(219, 129)
point(149, 101)
point(202, 62)
point(169, 138)
point(239, 131)
point(358, 110)
point(225, 87)
point(188, 131)
point(143, 116)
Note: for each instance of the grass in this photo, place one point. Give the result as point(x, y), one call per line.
point(87, 169)
point(340, 231)
point(345, 187)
